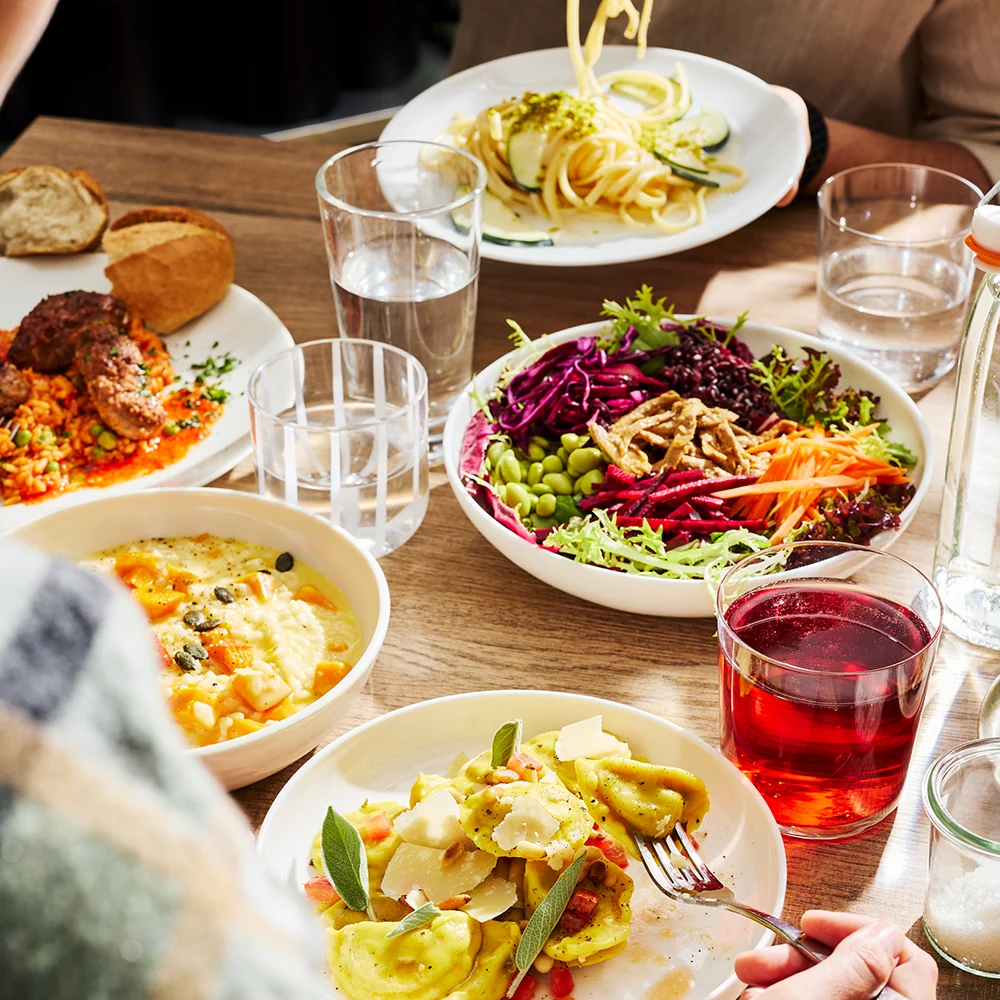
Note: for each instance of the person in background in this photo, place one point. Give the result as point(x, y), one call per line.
point(872, 81)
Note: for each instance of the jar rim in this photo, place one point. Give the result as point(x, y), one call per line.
point(938, 814)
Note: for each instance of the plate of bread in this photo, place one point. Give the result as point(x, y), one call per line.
point(125, 347)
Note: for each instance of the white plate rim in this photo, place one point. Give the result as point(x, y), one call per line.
point(625, 249)
point(589, 704)
point(668, 586)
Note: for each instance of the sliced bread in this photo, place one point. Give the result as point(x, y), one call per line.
point(47, 210)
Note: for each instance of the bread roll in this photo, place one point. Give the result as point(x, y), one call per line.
point(46, 210)
point(168, 264)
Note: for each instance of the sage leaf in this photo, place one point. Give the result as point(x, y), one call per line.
point(543, 921)
point(345, 861)
point(507, 741)
point(420, 916)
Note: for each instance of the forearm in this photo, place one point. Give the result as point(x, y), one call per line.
point(853, 146)
point(21, 25)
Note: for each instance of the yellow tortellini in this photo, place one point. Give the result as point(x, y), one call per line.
point(454, 957)
point(607, 931)
point(543, 749)
point(473, 776)
point(650, 798)
point(425, 786)
point(482, 813)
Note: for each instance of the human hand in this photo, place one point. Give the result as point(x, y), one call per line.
point(868, 955)
point(802, 114)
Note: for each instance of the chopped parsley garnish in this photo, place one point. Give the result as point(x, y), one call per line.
point(212, 367)
point(193, 421)
point(215, 393)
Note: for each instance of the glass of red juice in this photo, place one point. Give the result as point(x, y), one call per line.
point(823, 669)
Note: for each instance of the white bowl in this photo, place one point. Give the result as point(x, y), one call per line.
point(740, 839)
point(77, 532)
point(650, 595)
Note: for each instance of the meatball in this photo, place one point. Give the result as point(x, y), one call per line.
point(111, 365)
point(46, 338)
point(14, 388)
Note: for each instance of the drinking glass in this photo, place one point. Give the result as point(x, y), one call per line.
point(402, 223)
point(822, 680)
point(339, 428)
point(962, 907)
point(894, 271)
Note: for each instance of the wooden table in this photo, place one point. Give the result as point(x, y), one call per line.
point(464, 618)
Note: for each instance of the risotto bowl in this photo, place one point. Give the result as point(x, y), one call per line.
point(78, 533)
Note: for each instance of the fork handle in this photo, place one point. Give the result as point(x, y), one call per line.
point(814, 950)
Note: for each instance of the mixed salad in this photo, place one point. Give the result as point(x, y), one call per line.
point(664, 446)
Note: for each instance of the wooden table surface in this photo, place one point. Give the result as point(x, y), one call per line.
point(465, 619)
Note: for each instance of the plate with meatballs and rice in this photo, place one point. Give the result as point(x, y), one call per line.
point(122, 368)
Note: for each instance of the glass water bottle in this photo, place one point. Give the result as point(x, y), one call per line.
point(967, 557)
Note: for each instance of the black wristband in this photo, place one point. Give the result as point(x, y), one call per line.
point(819, 147)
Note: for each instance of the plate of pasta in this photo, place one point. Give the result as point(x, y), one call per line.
point(604, 154)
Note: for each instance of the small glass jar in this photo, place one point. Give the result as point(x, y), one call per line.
point(962, 908)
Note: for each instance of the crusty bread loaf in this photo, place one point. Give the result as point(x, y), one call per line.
point(46, 210)
point(168, 264)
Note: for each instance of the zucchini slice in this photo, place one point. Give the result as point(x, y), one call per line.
point(707, 129)
point(524, 157)
point(501, 224)
point(649, 96)
point(686, 159)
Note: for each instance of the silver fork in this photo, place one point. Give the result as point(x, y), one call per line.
point(7, 424)
point(677, 869)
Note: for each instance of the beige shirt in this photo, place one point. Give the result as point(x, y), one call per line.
point(923, 68)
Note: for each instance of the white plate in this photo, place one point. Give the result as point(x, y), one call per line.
point(765, 139)
point(649, 595)
point(739, 840)
point(240, 324)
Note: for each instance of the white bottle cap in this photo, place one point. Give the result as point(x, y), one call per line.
point(986, 235)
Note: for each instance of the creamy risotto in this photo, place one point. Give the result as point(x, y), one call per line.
point(247, 635)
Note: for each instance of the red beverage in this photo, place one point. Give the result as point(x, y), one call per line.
point(822, 686)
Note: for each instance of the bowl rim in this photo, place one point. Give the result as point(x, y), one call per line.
point(372, 648)
point(775, 840)
point(477, 516)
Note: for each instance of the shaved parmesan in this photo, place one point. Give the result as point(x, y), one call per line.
point(490, 898)
point(588, 739)
point(527, 820)
point(456, 767)
point(413, 867)
point(416, 898)
point(432, 822)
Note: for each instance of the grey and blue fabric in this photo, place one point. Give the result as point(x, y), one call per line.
point(125, 870)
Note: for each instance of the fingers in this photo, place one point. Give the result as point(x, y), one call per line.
point(859, 967)
point(795, 102)
point(788, 197)
point(831, 928)
point(770, 965)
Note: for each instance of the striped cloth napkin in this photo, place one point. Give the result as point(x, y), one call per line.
point(125, 870)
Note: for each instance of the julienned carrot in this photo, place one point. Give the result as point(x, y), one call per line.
point(807, 466)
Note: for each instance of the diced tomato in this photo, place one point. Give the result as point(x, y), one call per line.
point(611, 849)
point(521, 764)
point(526, 989)
point(321, 890)
point(579, 910)
point(562, 980)
point(376, 827)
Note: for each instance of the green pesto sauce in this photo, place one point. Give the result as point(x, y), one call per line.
point(553, 111)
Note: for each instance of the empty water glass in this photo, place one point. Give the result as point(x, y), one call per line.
point(339, 428)
point(402, 223)
point(894, 272)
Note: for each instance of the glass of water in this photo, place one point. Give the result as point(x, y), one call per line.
point(894, 271)
point(402, 223)
point(339, 428)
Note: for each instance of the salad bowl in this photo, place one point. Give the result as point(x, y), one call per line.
point(692, 956)
point(649, 594)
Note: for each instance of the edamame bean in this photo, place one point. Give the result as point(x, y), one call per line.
point(583, 460)
point(494, 452)
point(553, 463)
point(540, 489)
point(589, 482)
point(509, 467)
point(516, 496)
point(563, 454)
point(546, 505)
point(561, 484)
point(535, 472)
point(525, 465)
point(536, 452)
point(572, 441)
point(542, 522)
point(539, 440)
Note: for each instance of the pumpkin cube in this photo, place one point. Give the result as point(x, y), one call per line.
point(261, 585)
point(259, 690)
point(328, 675)
point(241, 727)
point(158, 603)
point(312, 596)
point(231, 654)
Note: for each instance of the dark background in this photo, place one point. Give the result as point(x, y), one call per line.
point(230, 65)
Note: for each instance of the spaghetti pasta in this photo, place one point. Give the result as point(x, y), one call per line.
point(584, 156)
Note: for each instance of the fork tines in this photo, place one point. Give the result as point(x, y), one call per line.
point(674, 863)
